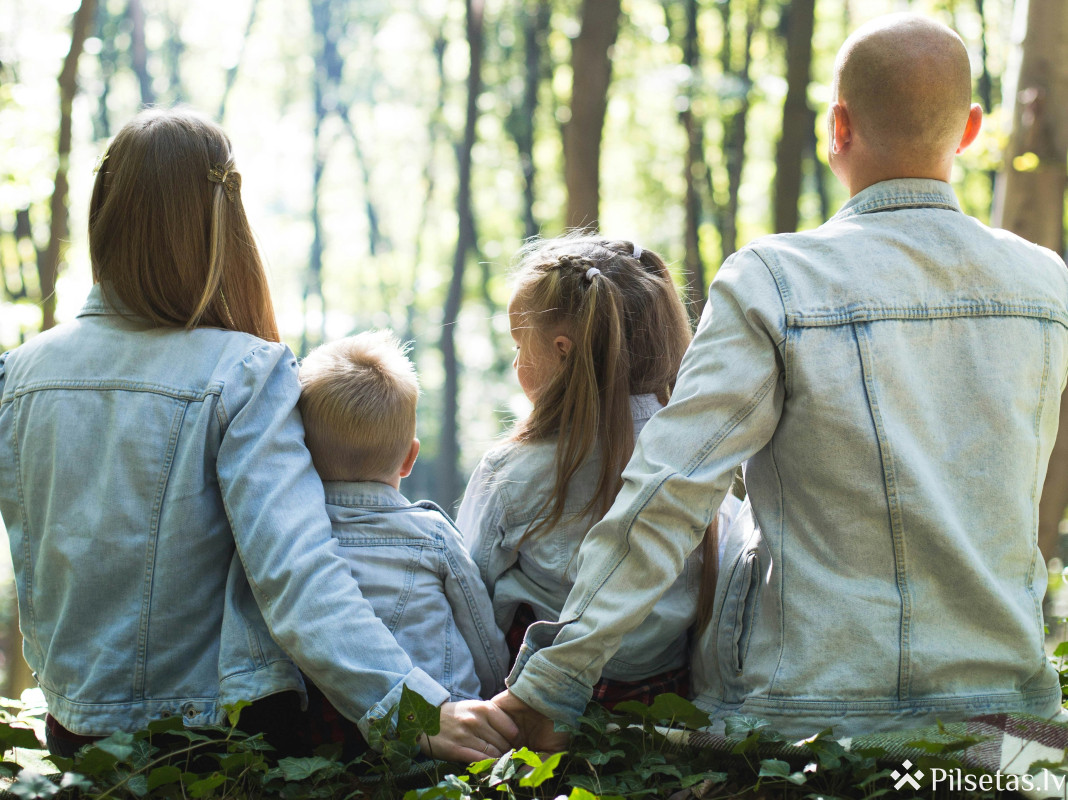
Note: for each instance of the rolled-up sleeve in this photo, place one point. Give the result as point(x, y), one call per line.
point(305, 590)
point(725, 408)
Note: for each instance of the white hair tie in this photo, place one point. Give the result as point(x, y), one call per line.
point(637, 252)
point(591, 272)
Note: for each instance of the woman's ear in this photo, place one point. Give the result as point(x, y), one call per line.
point(563, 346)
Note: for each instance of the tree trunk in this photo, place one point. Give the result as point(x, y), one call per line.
point(535, 23)
point(1029, 199)
point(449, 453)
point(135, 12)
point(695, 168)
point(591, 65)
point(48, 268)
point(796, 115)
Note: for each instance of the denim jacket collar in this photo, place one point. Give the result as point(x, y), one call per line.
point(363, 494)
point(899, 193)
point(96, 303)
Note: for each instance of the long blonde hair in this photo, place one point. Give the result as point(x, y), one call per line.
point(629, 330)
point(168, 234)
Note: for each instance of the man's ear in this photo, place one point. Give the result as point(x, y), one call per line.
point(841, 128)
point(409, 460)
point(563, 346)
point(971, 130)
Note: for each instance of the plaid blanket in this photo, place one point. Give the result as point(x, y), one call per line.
point(1005, 747)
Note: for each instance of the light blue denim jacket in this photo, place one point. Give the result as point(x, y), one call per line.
point(507, 492)
point(893, 379)
point(169, 534)
point(412, 567)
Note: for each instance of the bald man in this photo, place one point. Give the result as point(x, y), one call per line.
point(891, 382)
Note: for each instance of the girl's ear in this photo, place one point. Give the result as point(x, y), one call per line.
point(563, 346)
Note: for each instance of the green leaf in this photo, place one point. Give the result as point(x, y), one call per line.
point(233, 711)
point(742, 726)
point(300, 769)
point(161, 776)
point(542, 772)
point(416, 715)
point(31, 785)
point(75, 782)
point(1061, 650)
point(701, 777)
point(602, 757)
point(503, 770)
point(481, 766)
point(206, 785)
point(119, 744)
point(95, 761)
point(528, 757)
point(634, 709)
point(677, 709)
point(17, 736)
point(578, 793)
point(773, 768)
point(165, 725)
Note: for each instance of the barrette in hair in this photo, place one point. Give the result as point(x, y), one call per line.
point(100, 162)
point(591, 272)
point(229, 178)
point(637, 253)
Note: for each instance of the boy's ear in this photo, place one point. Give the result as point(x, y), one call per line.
point(409, 460)
point(971, 130)
point(841, 128)
point(563, 346)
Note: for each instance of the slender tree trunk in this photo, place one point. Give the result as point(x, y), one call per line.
point(1029, 199)
point(535, 21)
point(796, 115)
point(49, 267)
point(449, 452)
point(734, 130)
point(135, 12)
point(591, 64)
point(695, 168)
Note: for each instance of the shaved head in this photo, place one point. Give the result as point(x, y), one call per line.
point(906, 83)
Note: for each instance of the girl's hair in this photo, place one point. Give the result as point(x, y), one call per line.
point(167, 230)
point(618, 305)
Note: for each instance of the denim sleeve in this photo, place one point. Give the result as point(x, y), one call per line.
point(473, 614)
point(305, 590)
point(479, 518)
point(725, 407)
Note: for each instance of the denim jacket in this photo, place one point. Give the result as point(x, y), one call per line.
point(508, 491)
point(894, 380)
point(171, 545)
point(412, 567)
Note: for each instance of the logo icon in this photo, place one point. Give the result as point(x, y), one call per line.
point(902, 779)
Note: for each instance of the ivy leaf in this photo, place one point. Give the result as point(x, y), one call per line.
point(300, 769)
point(742, 726)
point(165, 725)
point(677, 709)
point(233, 711)
point(1061, 650)
point(601, 757)
point(528, 757)
point(119, 744)
point(503, 770)
point(14, 736)
point(161, 776)
point(542, 772)
point(578, 793)
point(701, 777)
point(634, 709)
point(773, 768)
point(96, 762)
point(206, 785)
point(31, 785)
point(75, 782)
point(416, 715)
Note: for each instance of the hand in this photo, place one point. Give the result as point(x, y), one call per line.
point(535, 729)
point(471, 730)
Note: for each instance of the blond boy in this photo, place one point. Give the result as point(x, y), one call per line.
point(358, 399)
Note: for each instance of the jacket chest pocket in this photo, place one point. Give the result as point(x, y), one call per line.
point(739, 609)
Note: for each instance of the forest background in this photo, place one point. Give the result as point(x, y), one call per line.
point(396, 153)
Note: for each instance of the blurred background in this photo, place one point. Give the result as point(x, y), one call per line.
point(394, 155)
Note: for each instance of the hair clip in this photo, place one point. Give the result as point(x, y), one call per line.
point(100, 162)
point(637, 253)
point(591, 272)
point(229, 178)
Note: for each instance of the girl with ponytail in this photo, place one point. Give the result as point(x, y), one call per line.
point(600, 332)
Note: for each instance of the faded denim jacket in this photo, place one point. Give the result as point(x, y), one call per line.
point(171, 545)
point(412, 567)
point(894, 380)
point(507, 493)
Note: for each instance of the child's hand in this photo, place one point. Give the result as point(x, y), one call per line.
point(535, 729)
point(471, 730)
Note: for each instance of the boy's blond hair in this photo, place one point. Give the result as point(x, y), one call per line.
point(358, 398)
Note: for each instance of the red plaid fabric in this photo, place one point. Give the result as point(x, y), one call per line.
point(607, 692)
